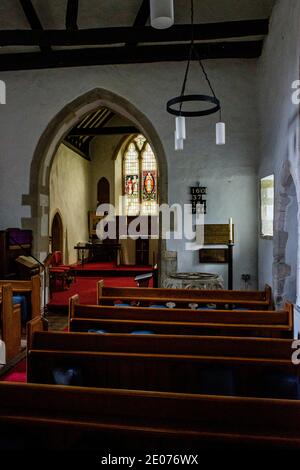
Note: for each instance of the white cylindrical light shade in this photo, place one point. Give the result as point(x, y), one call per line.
point(180, 128)
point(162, 13)
point(178, 143)
point(230, 230)
point(220, 133)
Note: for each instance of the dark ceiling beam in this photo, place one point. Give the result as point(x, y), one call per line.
point(119, 130)
point(127, 55)
point(34, 21)
point(144, 34)
point(141, 18)
point(71, 15)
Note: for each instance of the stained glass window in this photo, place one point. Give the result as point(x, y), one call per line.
point(131, 180)
point(140, 178)
point(149, 179)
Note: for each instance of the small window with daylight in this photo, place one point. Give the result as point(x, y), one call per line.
point(267, 206)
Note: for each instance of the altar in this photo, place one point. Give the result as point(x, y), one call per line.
point(202, 281)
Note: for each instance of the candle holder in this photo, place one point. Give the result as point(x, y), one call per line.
point(230, 264)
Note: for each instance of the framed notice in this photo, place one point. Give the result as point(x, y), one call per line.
point(213, 255)
point(217, 234)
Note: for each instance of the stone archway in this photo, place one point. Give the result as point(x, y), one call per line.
point(286, 236)
point(38, 198)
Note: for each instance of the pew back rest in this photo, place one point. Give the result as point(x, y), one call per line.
point(183, 412)
point(284, 317)
point(181, 328)
point(160, 372)
point(163, 344)
point(192, 294)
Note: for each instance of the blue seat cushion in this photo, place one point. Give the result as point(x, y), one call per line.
point(122, 305)
point(157, 306)
point(67, 376)
point(100, 332)
point(21, 299)
point(142, 332)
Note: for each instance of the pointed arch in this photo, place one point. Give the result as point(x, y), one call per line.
point(57, 129)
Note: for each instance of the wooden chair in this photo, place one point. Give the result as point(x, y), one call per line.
point(61, 275)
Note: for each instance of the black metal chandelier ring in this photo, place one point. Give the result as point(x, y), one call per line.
point(200, 98)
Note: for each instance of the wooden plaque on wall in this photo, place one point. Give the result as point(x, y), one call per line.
point(213, 255)
point(217, 234)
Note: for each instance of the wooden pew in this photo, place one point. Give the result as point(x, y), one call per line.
point(31, 288)
point(75, 418)
point(35, 325)
point(257, 300)
point(210, 373)
point(164, 344)
point(281, 321)
point(10, 323)
point(181, 321)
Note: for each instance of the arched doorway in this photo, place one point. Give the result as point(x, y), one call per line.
point(57, 234)
point(58, 128)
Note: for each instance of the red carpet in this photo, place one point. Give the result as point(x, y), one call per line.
point(86, 287)
point(110, 267)
point(17, 374)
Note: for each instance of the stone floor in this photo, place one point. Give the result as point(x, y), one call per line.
point(57, 322)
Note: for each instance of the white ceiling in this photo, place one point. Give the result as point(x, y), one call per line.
point(101, 13)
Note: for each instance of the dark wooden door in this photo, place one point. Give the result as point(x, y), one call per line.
point(57, 234)
point(142, 252)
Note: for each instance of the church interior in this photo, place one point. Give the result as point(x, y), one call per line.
point(149, 226)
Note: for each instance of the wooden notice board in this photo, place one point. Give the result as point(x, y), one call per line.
point(213, 256)
point(217, 234)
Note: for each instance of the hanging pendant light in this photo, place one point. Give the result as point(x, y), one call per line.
point(220, 133)
point(175, 105)
point(178, 143)
point(161, 13)
point(180, 128)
